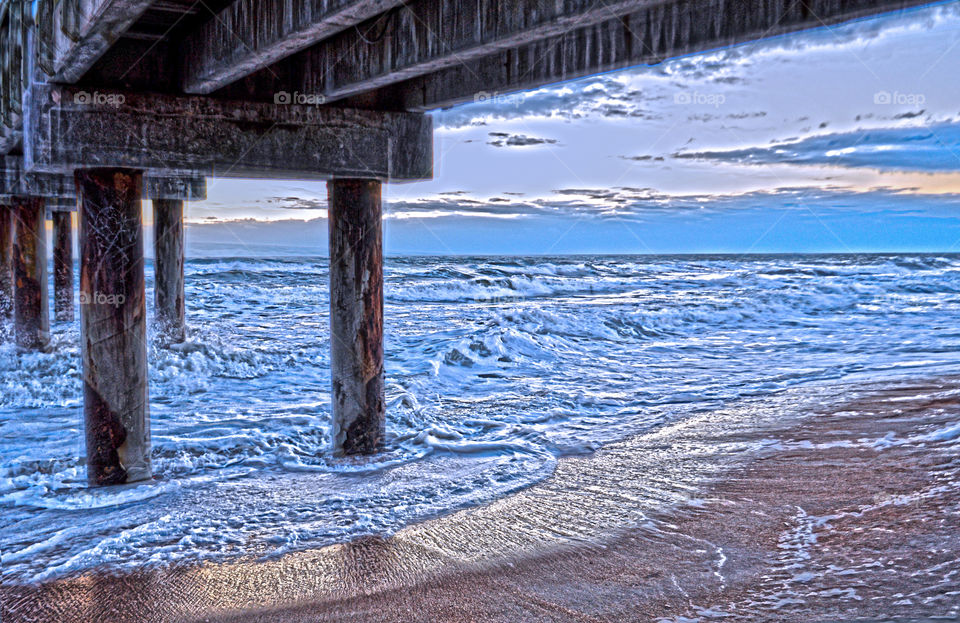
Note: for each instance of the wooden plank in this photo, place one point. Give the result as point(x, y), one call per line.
point(439, 53)
point(94, 25)
point(251, 34)
point(649, 36)
point(433, 35)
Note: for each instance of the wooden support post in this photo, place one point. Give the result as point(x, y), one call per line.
point(168, 257)
point(6, 262)
point(113, 326)
point(31, 312)
point(356, 315)
point(62, 266)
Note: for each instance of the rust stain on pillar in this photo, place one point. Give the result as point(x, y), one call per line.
point(6, 261)
point(31, 313)
point(113, 326)
point(356, 315)
point(168, 261)
point(62, 266)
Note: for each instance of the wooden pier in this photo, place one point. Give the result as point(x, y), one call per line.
point(108, 102)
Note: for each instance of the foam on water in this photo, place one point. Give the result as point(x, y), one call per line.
point(495, 368)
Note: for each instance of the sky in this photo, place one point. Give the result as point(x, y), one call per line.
point(840, 139)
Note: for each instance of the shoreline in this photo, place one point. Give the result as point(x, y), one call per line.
point(680, 522)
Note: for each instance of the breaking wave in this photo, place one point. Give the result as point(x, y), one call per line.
point(496, 367)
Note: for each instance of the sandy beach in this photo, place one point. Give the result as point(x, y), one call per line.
point(846, 512)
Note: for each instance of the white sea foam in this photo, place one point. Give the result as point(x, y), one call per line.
point(495, 368)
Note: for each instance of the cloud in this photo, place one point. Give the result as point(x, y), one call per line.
point(606, 221)
point(296, 203)
point(909, 115)
point(644, 158)
point(599, 96)
point(934, 148)
point(504, 139)
point(640, 203)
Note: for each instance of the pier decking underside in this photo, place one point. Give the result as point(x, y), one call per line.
point(204, 60)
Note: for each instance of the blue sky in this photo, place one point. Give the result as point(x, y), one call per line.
point(839, 139)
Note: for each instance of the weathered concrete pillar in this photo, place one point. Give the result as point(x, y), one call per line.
point(356, 315)
point(62, 266)
point(168, 264)
point(6, 261)
point(31, 303)
point(113, 326)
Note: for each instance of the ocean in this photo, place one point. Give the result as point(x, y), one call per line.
point(496, 368)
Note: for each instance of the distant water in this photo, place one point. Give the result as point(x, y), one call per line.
point(495, 368)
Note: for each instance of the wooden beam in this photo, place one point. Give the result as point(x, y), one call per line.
point(437, 54)
point(356, 315)
point(31, 313)
point(10, 138)
point(251, 34)
point(168, 256)
point(195, 135)
point(10, 175)
point(649, 36)
point(432, 35)
point(62, 265)
point(113, 326)
point(93, 26)
point(13, 181)
point(6, 261)
point(179, 188)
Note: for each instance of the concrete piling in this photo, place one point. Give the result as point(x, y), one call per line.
point(356, 315)
point(113, 326)
point(31, 313)
point(6, 261)
point(168, 263)
point(62, 266)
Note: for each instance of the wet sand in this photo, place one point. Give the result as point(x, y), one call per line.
point(816, 511)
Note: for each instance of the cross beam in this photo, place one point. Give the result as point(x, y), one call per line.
point(188, 135)
point(60, 186)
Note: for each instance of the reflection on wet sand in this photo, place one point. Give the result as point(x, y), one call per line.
point(782, 509)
